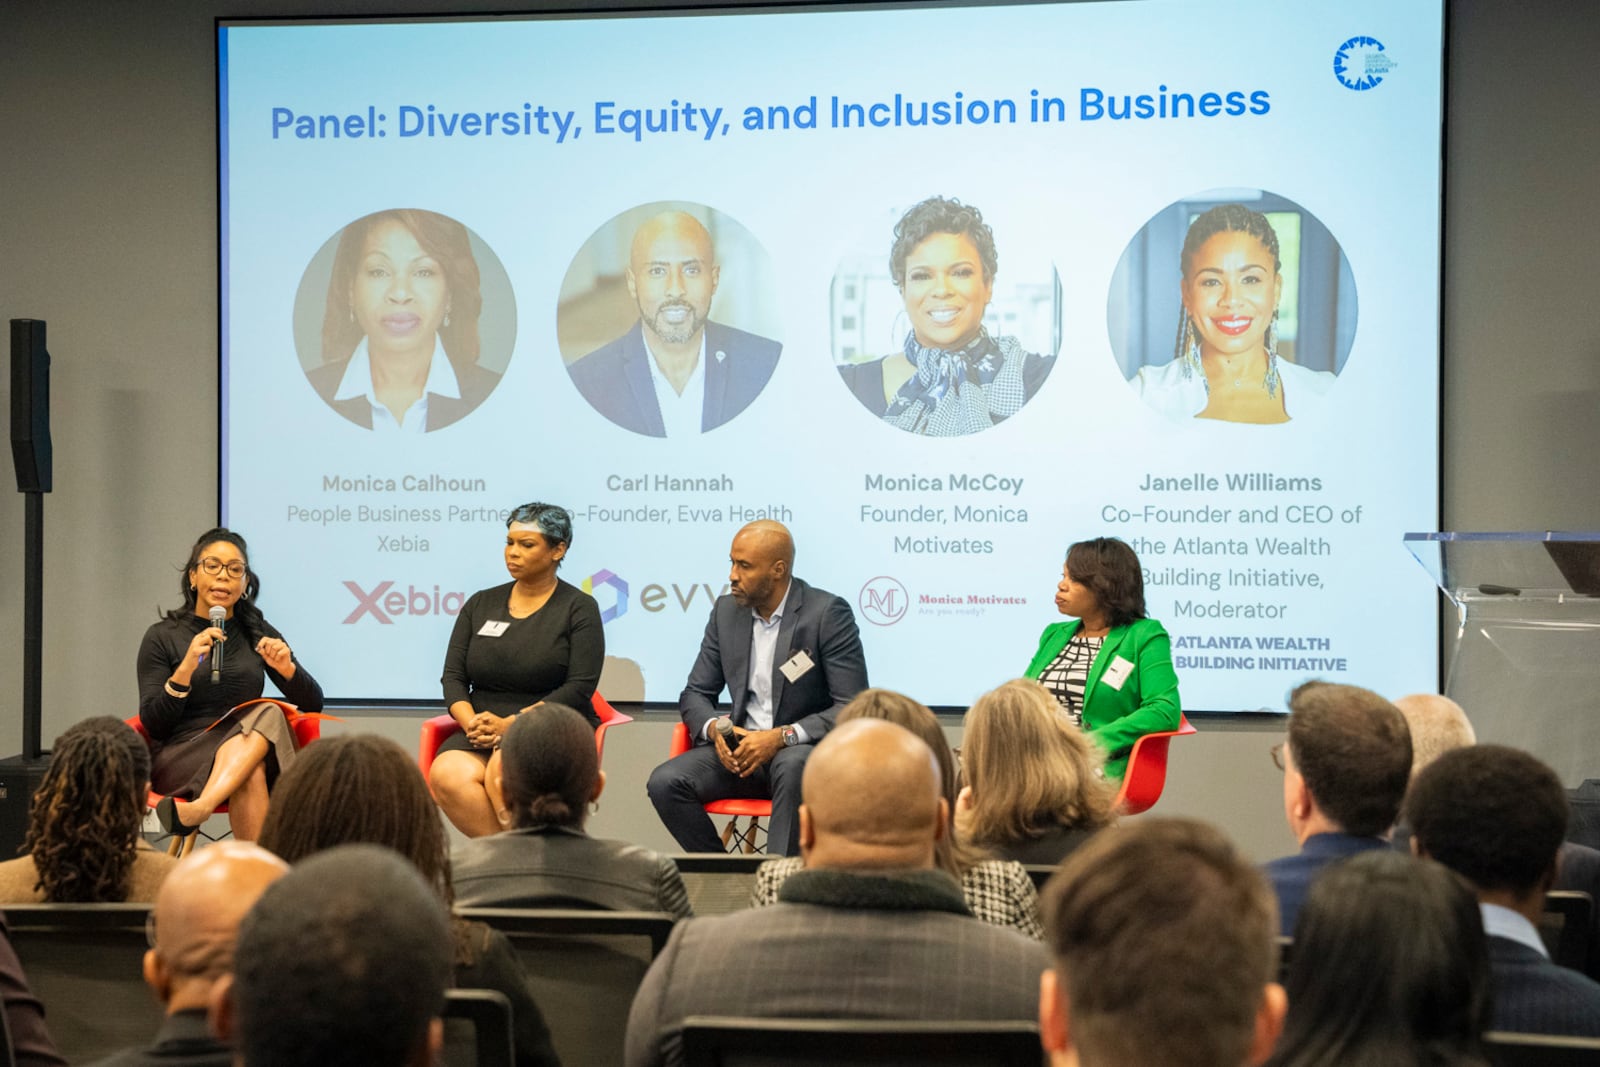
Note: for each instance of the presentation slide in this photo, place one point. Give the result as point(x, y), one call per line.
point(944, 290)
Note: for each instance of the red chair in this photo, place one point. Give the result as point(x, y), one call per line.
point(307, 728)
point(1146, 773)
point(750, 839)
point(440, 727)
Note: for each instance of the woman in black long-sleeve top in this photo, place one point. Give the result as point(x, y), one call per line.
point(197, 767)
point(514, 646)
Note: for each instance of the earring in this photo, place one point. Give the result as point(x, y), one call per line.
point(594, 807)
point(1271, 381)
point(447, 318)
point(1189, 348)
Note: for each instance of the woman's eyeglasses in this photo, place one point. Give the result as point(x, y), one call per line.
point(213, 566)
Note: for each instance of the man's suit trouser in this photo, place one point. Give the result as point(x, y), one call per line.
point(681, 787)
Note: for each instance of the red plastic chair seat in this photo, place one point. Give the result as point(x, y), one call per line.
point(747, 839)
point(437, 730)
point(1146, 773)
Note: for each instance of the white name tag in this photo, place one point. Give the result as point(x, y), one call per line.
point(798, 665)
point(1117, 672)
point(493, 629)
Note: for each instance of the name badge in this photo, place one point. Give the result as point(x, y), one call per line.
point(1117, 672)
point(798, 665)
point(493, 629)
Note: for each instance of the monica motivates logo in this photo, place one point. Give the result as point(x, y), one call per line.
point(1361, 62)
point(883, 601)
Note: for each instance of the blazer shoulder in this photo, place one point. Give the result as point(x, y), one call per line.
point(601, 367)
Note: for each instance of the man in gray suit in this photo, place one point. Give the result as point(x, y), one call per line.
point(868, 930)
point(790, 657)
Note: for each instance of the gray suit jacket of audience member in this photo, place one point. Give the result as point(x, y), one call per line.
point(1535, 996)
point(555, 867)
point(892, 947)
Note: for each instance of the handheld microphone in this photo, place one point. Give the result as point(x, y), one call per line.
point(725, 728)
point(219, 619)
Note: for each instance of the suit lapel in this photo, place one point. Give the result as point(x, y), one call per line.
point(636, 370)
point(719, 367)
point(780, 654)
point(1108, 650)
point(736, 658)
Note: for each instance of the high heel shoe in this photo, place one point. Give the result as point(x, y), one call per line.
point(167, 813)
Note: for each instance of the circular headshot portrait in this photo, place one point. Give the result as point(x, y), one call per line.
point(1236, 305)
point(668, 319)
point(940, 325)
point(404, 321)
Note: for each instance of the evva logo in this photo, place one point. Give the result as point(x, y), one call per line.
point(619, 586)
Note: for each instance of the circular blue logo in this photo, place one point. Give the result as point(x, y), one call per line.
point(1360, 63)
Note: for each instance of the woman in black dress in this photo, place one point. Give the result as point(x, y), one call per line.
point(197, 767)
point(514, 646)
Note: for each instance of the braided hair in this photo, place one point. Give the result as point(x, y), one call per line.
point(1224, 218)
point(88, 812)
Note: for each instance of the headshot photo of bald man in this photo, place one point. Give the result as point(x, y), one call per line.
point(645, 320)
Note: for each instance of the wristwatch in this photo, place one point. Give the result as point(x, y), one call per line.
point(790, 737)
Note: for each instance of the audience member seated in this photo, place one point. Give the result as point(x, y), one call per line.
point(1345, 767)
point(1497, 816)
point(550, 775)
point(194, 926)
point(1034, 790)
point(1389, 967)
point(343, 962)
point(361, 788)
point(31, 1044)
point(997, 891)
point(869, 930)
point(1439, 725)
point(1163, 938)
point(83, 841)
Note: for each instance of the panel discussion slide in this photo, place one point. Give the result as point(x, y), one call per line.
point(944, 290)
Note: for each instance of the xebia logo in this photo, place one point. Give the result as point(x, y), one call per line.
point(884, 601)
point(619, 587)
point(385, 602)
point(1360, 63)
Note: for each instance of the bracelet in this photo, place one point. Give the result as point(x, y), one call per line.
point(176, 689)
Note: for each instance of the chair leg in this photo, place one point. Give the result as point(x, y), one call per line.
point(730, 832)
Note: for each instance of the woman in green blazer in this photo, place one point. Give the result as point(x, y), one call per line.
point(1110, 668)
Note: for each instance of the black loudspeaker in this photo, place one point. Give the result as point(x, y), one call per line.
point(19, 779)
point(30, 406)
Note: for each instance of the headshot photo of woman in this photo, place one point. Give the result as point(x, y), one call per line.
point(400, 341)
point(1264, 318)
point(515, 646)
point(1110, 667)
point(957, 372)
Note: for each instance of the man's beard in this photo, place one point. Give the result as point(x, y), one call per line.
point(675, 333)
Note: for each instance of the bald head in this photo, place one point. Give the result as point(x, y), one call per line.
point(1438, 724)
point(759, 564)
point(677, 228)
point(872, 798)
point(197, 916)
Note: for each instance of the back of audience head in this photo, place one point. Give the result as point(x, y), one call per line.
point(196, 919)
point(1029, 770)
point(951, 854)
point(86, 815)
point(1165, 952)
point(1495, 815)
point(550, 770)
point(344, 961)
point(1348, 759)
point(871, 799)
point(1389, 966)
point(358, 788)
point(1438, 725)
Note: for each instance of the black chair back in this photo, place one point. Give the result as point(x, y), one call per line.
point(725, 1041)
point(1540, 1050)
point(85, 962)
point(1565, 927)
point(717, 883)
point(477, 1029)
point(583, 968)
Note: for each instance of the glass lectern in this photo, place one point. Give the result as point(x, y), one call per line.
point(1527, 658)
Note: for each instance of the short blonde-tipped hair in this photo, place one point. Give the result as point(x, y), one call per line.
point(1030, 769)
